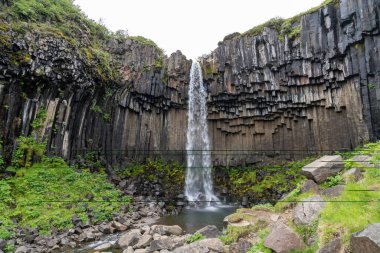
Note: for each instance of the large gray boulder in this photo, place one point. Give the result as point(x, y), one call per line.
point(324, 167)
point(144, 241)
point(129, 239)
point(367, 240)
point(282, 239)
point(209, 231)
point(334, 191)
point(310, 185)
point(166, 230)
point(202, 246)
point(308, 210)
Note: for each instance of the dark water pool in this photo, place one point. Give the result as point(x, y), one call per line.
point(192, 219)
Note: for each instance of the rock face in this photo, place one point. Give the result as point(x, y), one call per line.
point(210, 231)
point(265, 92)
point(367, 240)
point(305, 212)
point(324, 167)
point(282, 239)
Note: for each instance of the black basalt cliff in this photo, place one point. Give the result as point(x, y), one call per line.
point(318, 90)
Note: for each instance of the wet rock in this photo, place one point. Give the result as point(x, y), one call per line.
point(334, 191)
point(367, 240)
point(324, 167)
point(205, 245)
point(209, 231)
point(309, 185)
point(335, 246)
point(129, 239)
point(352, 175)
point(166, 230)
point(282, 239)
point(308, 210)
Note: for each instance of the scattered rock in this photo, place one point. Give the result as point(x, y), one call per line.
point(166, 230)
point(305, 212)
point(362, 160)
point(129, 239)
point(205, 245)
point(161, 244)
point(324, 167)
point(282, 239)
point(209, 231)
point(367, 240)
point(118, 226)
point(352, 175)
point(335, 246)
point(334, 191)
point(309, 185)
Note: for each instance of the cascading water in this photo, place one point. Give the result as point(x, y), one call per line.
point(199, 185)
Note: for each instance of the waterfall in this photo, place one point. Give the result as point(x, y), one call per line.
point(199, 185)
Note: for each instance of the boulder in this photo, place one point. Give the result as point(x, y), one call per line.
point(308, 210)
point(282, 239)
point(166, 230)
point(161, 244)
point(352, 175)
point(144, 241)
point(309, 185)
point(129, 250)
point(335, 246)
point(103, 247)
point(367, 240)
point(129, 239)
point(205, 245)
point(140, 251)
point(242, 246)
point(118, 226)
point(324, 167)
point(22, 249)
point(334, 191)
point(362, 160)
point(209, 231)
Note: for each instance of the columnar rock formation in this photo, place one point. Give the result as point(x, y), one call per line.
point(320, 90)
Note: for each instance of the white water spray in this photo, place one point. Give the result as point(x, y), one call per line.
point(199, 185)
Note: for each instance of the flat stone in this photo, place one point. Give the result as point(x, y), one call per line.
point(282, 239)
point(367, 240)
point(305, 212)
point(324, 167)
point(334, 191)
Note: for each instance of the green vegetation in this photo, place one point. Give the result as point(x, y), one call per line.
point(27, 151)
point(259, 247)
point(337, 219)
point(50, 193)
point(264, 183)
point(171, 174)
point(146, 41)
point(195, 237)
point(233, 233)
point(63, 20)
point(290, 27)
point(333, 181)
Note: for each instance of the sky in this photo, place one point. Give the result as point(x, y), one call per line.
point(193, 26)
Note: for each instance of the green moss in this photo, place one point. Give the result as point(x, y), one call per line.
point(259, 246)
point(233, 233)
point(50, 193)
point(195, 237)
point(144, 41)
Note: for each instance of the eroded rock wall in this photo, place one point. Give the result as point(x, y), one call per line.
point(320, 91)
